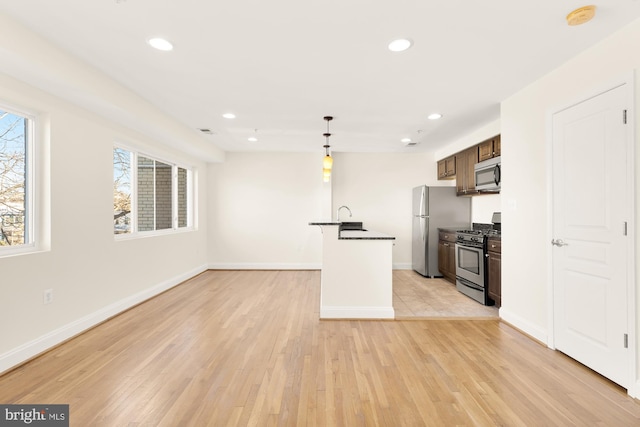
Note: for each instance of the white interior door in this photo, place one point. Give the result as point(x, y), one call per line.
point(590, 253)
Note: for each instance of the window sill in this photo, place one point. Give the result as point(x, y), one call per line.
point(156, 233)
point(10, 251)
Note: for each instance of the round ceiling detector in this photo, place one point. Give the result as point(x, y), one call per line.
point(581, 15)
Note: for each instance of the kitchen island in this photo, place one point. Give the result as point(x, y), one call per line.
point(356, 275)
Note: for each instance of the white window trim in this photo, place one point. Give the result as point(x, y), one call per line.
point(191, 217)
point(34, 213)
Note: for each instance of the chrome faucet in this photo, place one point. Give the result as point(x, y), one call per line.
point(338, 213)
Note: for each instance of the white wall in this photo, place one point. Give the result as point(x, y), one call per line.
point(92, 275)
point(260, 205)
point(483, 207)
point(526, 226)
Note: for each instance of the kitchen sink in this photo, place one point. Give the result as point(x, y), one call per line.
point(353, 225)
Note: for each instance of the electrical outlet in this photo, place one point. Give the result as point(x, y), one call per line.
point(47, 297)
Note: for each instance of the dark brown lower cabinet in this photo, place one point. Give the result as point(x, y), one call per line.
point(447, 255)
point(494, 267)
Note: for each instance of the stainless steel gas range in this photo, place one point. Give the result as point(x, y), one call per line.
point(471, 248)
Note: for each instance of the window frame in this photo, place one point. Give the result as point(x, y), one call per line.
point(32, 215)
point(191, 201)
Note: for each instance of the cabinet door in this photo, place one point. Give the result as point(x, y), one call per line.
point(489, 148)
point(447, 168)
point(470, 175)
point(442, 169)
point(494, 266)
point(450, 165)
point(451, 260)
point(461, 173)
point(485, 150)
point(447, 260)
point(442, 257)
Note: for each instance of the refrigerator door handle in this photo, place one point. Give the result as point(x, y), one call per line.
point(425, 228)
point(423, 206)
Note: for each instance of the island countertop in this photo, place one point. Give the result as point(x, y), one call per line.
point(363, 235)
point(354, 234)
point(325, 222)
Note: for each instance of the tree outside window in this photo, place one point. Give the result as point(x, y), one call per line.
point(13, 179)
point(121, 191)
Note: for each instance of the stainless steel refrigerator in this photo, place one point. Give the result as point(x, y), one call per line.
point(433, 208)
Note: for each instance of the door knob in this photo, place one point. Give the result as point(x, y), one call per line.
point(558, 242)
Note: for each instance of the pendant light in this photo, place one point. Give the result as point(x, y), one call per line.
point(327, 162)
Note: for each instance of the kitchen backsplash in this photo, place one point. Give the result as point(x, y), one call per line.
point(483, 207)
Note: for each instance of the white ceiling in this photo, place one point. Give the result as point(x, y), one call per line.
point(281, 65)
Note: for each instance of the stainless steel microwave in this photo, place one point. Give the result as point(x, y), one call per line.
point(488, 175)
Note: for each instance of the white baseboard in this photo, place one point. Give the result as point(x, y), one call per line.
point(283, 266)
point(357, 313)
point(525, 326)
point(634, 390)
point(402, 266)
point(265, 266)
point(30, 349)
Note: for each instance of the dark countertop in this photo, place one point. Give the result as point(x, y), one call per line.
point(450, 229)
point(325, 222)
point(354, 234)
point(363, 235)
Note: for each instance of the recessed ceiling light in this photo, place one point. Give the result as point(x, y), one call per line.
point(229, 116)
point(160, 44)
point(434, 116)
point(252, 139)
point(406, 140)
point(400, 45)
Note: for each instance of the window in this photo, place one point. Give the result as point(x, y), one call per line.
point(161, 198)
point(121, 191)
point(15, 181)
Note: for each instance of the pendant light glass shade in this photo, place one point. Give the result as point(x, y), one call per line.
point(326, 175)
point(327, 163)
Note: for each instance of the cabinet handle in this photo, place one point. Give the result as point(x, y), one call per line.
point(493, 246)
point(446, 244)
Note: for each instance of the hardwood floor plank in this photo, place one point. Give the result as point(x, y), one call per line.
point(244, 348)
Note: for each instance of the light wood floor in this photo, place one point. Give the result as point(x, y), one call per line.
point(247, 348)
